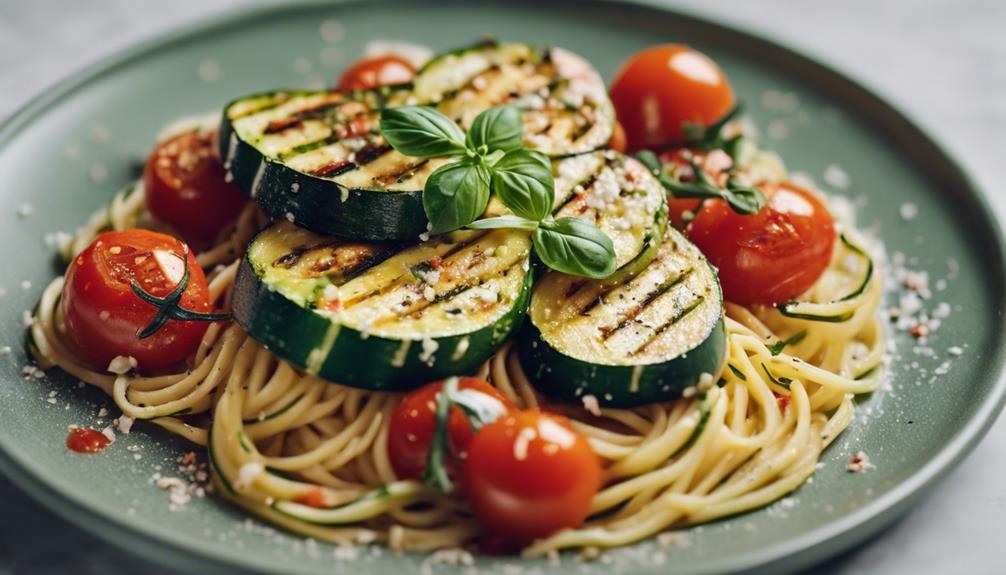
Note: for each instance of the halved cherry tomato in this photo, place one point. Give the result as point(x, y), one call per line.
point(715, 164)
point(659, 89)
point(413, 422)
point(186, 187)
point(618, 141)
point(369, 73)
point(529, 474)
point(772, 256)
point(104, 315)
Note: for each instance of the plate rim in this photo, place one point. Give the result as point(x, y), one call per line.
point(810, 548)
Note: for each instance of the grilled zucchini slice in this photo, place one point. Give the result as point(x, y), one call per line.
point(641, 339)
point(319, 160)
point(566, 106)
point(412, 313)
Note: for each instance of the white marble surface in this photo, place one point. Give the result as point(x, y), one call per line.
point(944, 61)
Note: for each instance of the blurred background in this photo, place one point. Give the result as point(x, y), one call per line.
point(942, 61)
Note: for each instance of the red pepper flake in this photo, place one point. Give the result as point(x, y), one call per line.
point(86, 440)
point(333, 305)
point(358, 126)
point(782, 400)
point(313, 498)
point(436, 262)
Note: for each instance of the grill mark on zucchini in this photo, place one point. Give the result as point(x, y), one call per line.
point(648, 299)
point(336, 168)
point(423, 303)
point(668, 324)
point(289, 259)
point(276, 100)
point(405, 175)
point(371, 153)
point(334, 138)
point(405, 275)
point(318, 111)
point(400, 175)
point(453, 293)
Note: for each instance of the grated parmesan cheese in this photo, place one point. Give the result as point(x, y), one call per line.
point(121, 364)
point(591, 404)
point(123, 424)
point(429, 346)
point(247, 474)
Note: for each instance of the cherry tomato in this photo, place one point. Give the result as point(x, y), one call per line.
point(104, 315)
point(529, 474)
point(715, 164)
point(186, 187)
point(369, 73)
point(413, 421)
point(659, 89)
point(618, 141)
point(772, 256)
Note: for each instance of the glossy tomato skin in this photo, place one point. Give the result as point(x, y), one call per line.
point(186, 187)
point(660, 88)
point(770, 257)
point(368, 73)
point(103, 315)
point(411, 428)
point(529, 474)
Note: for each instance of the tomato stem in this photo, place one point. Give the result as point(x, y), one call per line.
point(478, 408)
point(169, 307)
point(707, 138)
point(436, 471)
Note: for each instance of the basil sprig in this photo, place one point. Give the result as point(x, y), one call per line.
point(170, 307)
point(705, 138)
point(744, 200)
point(492, 159)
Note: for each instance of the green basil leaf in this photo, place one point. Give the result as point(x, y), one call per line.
point(510, 222)
point(705, 138)
point(743, 200)
point(522, 180)
point(456, 194)
point(422, 132)
point(576, 247)
point(499, 128)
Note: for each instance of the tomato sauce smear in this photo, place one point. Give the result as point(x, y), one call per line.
point(87, 440)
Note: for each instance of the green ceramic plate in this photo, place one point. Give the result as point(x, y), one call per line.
point(55, 156)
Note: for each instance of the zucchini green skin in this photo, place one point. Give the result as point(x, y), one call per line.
point(319, 204)
point(560, 376)
point(322, 345)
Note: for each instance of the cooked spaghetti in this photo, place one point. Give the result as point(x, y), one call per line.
point(279, 438)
